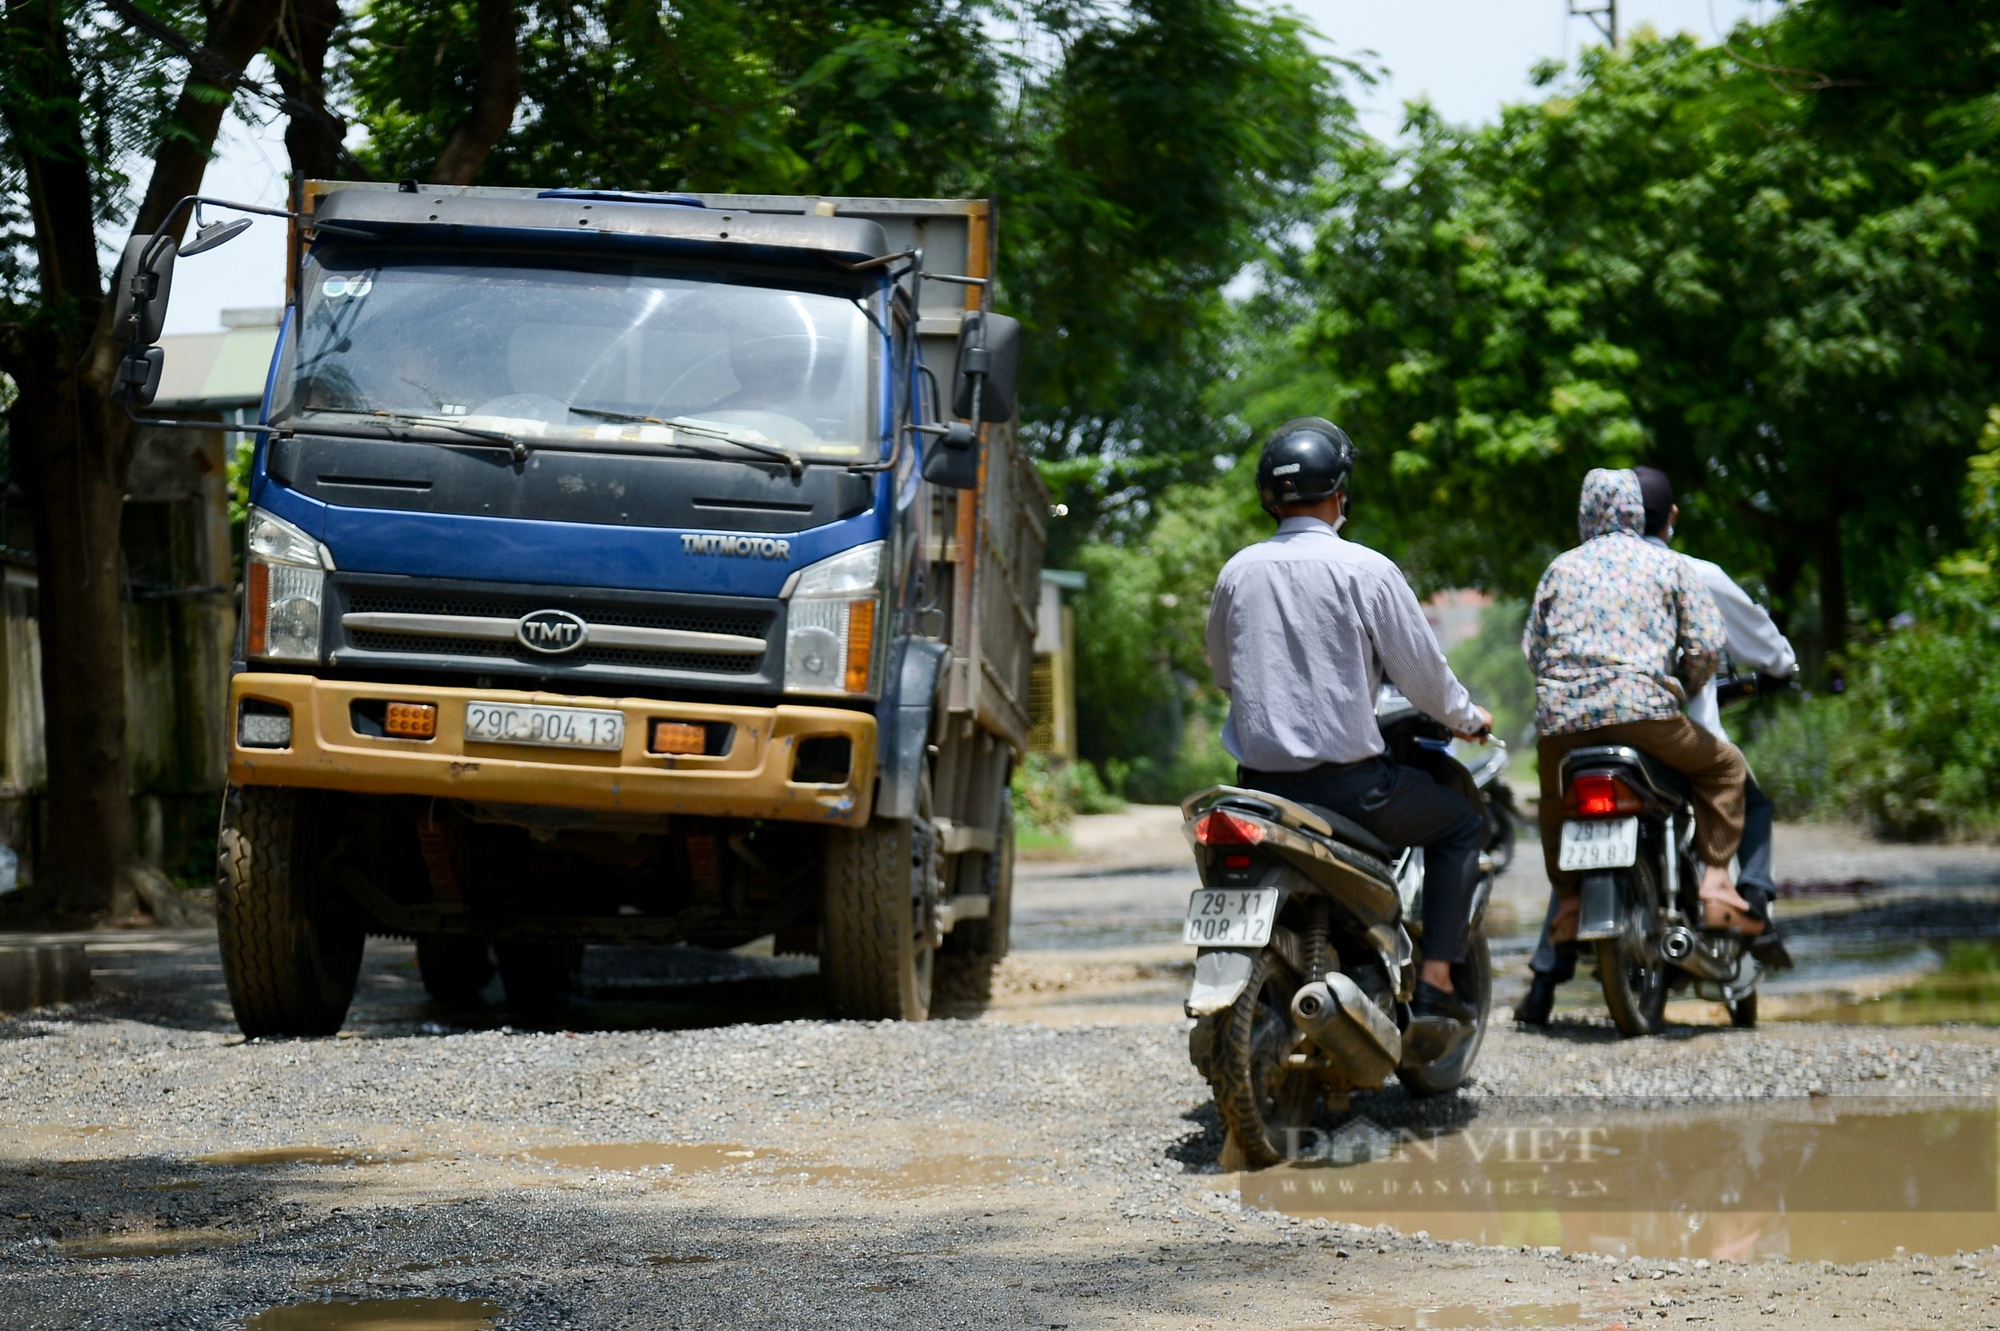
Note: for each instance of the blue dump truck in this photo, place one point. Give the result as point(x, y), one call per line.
point(623, 568)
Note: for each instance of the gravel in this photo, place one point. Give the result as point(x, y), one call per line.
point(960, 1172)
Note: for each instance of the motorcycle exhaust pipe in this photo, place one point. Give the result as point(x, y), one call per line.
point(1682, 947)
point(1342, 1020)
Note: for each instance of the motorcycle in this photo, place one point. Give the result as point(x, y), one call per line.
point(1628, 829)
point(1309, 932)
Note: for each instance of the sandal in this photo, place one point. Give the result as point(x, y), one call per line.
point(1718, 916)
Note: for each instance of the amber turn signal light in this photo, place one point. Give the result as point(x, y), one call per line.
point(410, 720)
point(860, 644)
point(679, 737)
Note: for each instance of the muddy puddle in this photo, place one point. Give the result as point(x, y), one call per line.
point(675, 1159)
point(1832, 1180)
point(307, 1155)
point(1457, 1315)
point(149, 1243)
point(1963, 986)
point(417, 1314)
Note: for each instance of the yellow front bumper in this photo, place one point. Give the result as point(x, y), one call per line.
point(752, 780)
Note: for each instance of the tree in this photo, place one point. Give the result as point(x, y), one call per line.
point(1771, 278)
point(81, 93)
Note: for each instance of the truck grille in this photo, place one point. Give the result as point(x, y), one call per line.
point(636, 638)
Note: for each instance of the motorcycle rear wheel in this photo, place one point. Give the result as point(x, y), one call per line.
point(1473, 981)
point(1629, 966)
point(1262, 1102)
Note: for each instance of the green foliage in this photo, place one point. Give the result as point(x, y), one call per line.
point(1494, 671)
point(861, 97)
point(1049, 795)
point(1913, 743)
point(1776, 284)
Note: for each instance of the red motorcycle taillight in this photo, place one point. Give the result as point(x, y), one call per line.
point(1600, 796)
point(1218, 828)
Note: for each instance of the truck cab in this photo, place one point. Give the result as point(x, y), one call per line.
point(628, 568)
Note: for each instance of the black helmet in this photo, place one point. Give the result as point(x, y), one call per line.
point(1305, 460)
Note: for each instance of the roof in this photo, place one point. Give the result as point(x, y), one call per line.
point(592, 219)
point(213, 371)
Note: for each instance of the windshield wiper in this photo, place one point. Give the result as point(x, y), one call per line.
point(406, 419)
point(744, 439)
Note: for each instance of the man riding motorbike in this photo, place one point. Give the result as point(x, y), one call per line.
point(1302, 629)
point(1753, 640)
point(1620, 633)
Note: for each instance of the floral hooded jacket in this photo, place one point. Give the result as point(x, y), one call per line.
point(1619, 630)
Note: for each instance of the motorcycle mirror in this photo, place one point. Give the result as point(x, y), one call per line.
point(215, 233)
point(143, 287)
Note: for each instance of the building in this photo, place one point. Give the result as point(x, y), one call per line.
point(1052, 676)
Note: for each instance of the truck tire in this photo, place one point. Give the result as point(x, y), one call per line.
point(289, 957)
point(454, 967)
point(536, 977)
point(879, 919)
point(986, 941)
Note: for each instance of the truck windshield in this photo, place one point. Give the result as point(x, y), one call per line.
point(608, 352)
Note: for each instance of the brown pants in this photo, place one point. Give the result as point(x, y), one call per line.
point(1715, 769)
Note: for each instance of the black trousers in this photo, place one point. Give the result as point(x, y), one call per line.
point(1405, 807)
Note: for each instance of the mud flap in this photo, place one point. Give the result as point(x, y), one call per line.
point(1599, 918)
point(1219, 976)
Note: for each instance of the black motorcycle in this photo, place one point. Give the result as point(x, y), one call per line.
point(1628, 829)
point(1310, 932)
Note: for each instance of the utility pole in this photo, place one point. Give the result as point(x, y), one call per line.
point(1604, 17)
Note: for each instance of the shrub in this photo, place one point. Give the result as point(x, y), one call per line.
point(1049, 795)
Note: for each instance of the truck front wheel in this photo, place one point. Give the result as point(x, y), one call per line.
point(880, 919)
point(289, 955)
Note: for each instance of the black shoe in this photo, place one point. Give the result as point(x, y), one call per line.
point(1769, 951)
point(1534, 1010)
point(1431, 1001)
point(1439, 1023)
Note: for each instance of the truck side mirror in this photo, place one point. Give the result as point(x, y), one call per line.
point(989, 360)
point(952, 460)
point(142, 293)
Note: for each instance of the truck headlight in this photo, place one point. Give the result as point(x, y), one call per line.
point(830, 631)
point(285, 588)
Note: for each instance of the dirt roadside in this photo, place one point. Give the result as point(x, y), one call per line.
point(717, 1154)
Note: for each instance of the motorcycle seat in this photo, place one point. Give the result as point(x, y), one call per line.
point(1353, 833)
point(1664, 777)
point(1656, 773)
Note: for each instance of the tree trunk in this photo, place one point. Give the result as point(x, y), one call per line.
point(63, 458)
point(312, 135)
point(495, 95)
point(72, 443)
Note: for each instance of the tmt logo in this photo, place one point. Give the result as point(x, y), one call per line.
point(551, 632)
